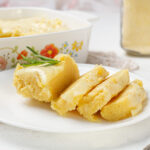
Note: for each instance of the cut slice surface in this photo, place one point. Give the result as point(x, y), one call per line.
point(46, 83)
point(70, 98)
point(128, 103)
point(96, 99)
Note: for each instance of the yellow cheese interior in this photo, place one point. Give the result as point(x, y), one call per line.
point(46, 83)
point(136, 25)
point(128, 103)
point(102, 94)
point(70, 98)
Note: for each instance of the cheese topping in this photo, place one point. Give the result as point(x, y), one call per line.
point(30, 26)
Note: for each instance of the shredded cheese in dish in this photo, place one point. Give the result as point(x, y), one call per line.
point(30, 26)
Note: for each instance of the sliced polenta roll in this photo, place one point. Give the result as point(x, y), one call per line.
point(96, 99)
point(128, 103)
point(70, 98)
point(44, 83)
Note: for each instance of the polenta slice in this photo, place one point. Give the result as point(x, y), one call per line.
point(128, 103)
point(102, 94)
point(70, 98)
point(44, 83)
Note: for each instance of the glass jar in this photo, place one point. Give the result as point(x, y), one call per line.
point(135, 31)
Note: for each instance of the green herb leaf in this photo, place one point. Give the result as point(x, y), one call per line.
point(44, 58)
point(32, 50)
point(38, 59)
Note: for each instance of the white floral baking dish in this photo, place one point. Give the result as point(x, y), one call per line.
point(74, 41)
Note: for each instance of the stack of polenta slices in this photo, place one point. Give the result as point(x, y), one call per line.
point(113, 97)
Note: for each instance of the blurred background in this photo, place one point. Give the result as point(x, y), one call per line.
point(107, 10)
point(87, 5)
point(105, 30)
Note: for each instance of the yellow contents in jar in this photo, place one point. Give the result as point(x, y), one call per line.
point(136, 26)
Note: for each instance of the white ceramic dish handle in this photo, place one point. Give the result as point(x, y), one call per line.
point(91, 17)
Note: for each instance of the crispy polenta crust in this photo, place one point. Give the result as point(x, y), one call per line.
point(70, 98)
point(96, 99)
point(128, 103)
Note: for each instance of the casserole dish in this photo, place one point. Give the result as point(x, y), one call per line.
point(73, 41)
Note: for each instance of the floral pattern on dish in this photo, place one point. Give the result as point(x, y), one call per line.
point(3, 63)
point(24, 53)
point(10, 56)
point(77, 45)
point(50, 51)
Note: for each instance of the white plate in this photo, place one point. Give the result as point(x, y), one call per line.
point(30, 114)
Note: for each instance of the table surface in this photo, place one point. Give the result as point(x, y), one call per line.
point(105, 37)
